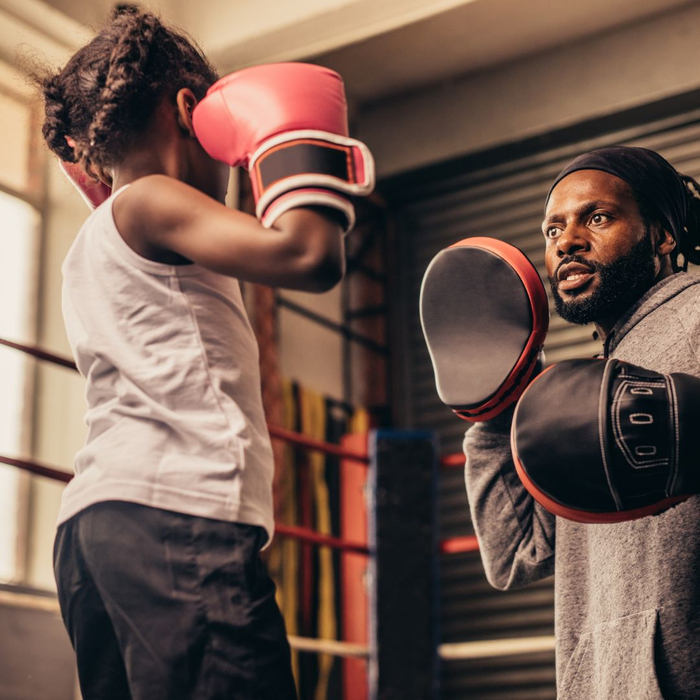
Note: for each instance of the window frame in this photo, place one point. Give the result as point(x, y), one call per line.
point(36, 196)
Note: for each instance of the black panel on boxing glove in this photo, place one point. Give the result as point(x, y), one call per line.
point(484, 315)
point(304, 157)
point(603, 441)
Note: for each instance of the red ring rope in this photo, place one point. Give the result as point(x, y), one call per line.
point(290, 436)
point(300, 533)
point(40, 354)
point(306, 535)
point(455, 460)
point(38, 469)
point(276, 431)
point(452, 545)
point(459, 545)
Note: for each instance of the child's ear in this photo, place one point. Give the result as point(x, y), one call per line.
point(186, 102)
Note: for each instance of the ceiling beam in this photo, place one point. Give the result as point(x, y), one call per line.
point(274, 31)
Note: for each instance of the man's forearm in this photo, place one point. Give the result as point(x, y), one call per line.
point(516, 535)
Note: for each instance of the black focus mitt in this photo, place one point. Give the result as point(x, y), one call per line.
point(485, 316)
point(603, 441)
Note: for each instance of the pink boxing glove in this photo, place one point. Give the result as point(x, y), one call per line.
point(287, 124)
point(94, 193)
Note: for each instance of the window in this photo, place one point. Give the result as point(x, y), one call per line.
point(19, 239)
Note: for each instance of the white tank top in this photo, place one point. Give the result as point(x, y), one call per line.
point(175, 417)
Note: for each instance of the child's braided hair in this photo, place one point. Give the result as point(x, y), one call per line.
point(110, 88)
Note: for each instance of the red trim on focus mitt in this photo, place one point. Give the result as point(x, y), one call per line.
point(485, 317)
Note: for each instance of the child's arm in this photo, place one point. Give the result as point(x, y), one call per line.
point(303, 250)
point(287, 124)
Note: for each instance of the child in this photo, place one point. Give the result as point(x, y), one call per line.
point(157, 562)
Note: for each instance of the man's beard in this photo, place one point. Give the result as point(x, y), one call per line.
point(620, 284)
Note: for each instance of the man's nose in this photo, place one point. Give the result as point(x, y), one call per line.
point(572, 240)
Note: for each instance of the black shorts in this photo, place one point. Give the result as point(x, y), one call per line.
point(166, 606)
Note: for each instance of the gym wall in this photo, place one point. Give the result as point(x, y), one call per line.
point(475, 157)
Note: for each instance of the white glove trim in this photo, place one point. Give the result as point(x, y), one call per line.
point(306, 198)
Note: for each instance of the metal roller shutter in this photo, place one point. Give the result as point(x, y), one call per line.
point(504, 201)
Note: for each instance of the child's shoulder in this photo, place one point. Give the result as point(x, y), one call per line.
point(154, 199)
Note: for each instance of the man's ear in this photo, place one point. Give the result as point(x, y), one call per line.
point(665, 242)
point(186, 102)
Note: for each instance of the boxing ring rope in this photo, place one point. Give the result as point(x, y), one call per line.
point(449, 546)
point(38, 469)
point(306, 535)
point(299, 533)
point(465, 543)
point(463, 651)
point(328, 448)
point(313, 537)
point(459, 545)
point(454, 545)
point(39, 354)
point(452, 461)
point(276, 431)
point(328, 646)
point(303, 644)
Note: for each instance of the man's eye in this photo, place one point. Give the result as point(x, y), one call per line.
point(552, 232)
point(598, 219)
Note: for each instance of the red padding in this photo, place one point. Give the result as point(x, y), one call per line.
point(521, 373)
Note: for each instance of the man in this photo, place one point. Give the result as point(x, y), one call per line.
point(620, 225)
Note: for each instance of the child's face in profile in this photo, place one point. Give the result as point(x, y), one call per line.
point(202, 171)
point(211, 176)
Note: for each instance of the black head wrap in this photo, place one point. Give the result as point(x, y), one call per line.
point(651, 177)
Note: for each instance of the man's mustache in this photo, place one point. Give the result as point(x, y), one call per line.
point(592, 265)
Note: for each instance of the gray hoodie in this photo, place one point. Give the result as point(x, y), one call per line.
point(627, 595)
